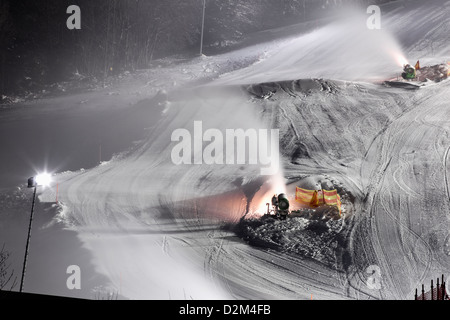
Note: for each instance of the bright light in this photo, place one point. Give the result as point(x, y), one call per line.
point(401, 60)
point(43, 179)
point(398, 56)
point(274, 186)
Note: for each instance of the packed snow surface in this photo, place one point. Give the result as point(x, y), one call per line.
point(141, 227)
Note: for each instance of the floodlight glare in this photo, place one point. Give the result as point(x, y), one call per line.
point(43, 179)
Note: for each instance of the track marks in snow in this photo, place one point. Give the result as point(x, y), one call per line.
point(291, 125)
point(446, 172)
point(404, 169)
point(403, 244)
point(391, 133)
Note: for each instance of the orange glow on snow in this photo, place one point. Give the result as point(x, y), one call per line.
point(398, 56)
point(274, 186)
point(401, 60)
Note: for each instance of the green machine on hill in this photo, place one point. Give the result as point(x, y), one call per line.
point(409, 72)
point(280, 206)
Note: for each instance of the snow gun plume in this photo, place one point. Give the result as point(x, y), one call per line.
point(274, 186)
point(278, 184)
point(399, 58)
point(402, 61)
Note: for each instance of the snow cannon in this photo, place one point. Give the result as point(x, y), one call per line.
point(280, 206)
point(409, 72)
point(283, 202)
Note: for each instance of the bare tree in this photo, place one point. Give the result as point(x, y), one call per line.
point(7, 279)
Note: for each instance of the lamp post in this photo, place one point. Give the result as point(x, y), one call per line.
point(33, 182)
point(203, 27)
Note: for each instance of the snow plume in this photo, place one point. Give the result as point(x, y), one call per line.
point(205, 156)
point(225, 114)
point(345, 49)
point(366, 45)
point(273, 185)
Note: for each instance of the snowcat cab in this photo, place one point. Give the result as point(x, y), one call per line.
point(409, 72)
point(280, 206)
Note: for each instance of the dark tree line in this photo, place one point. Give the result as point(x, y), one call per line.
point(36, 47)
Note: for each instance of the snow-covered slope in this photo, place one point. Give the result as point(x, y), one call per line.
point(146, 228)
point(345, 49)
point(386, 149)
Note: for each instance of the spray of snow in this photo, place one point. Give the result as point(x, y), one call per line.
point(345, 49)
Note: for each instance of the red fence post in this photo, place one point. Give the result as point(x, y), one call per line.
point(437, 285)
point(432, 290)
point(443, 288)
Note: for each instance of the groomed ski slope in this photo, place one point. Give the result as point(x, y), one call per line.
point(154, 230)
